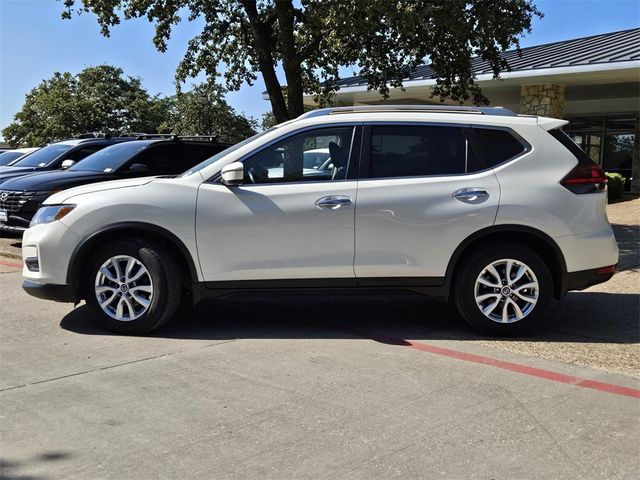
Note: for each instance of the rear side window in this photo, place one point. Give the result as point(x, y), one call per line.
point(497, 146)
point(408, 151)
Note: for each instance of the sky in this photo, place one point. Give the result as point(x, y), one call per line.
point(35, 42)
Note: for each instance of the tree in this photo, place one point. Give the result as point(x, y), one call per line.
point(203, 111)
point(384, 39)
point(97, 99)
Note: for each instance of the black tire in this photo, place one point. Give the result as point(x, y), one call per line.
point(164, 273)
point(474, 264)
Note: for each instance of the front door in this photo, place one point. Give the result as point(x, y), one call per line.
point(292, 219)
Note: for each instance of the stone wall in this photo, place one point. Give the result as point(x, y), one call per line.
point(545, 100)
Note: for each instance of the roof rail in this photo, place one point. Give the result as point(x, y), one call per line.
point(148, 136)
point(171, 136)
point(209, 138)
point(410, 108)
point(83, 136)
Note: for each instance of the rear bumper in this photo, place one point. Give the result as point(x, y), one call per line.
point(588, 278)
point(48, 291)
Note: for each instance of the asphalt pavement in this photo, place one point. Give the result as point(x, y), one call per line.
point(299, 387)
point(375, 386)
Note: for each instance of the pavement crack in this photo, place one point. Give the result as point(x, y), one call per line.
point(109, 367)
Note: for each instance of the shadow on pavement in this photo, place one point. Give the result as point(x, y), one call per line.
point(10, 469)
point(593, 317)
point(628, 238)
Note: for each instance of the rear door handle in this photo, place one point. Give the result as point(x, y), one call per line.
point(471, 195)
point(333, 202)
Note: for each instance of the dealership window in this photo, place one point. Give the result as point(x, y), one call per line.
point(608, 140)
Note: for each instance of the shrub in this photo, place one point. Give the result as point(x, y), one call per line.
point(616, 185)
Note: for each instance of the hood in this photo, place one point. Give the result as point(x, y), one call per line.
point(63, 196)
point(56, 180)
point(10, 172)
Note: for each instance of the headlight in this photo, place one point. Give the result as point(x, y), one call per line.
point(50, 213)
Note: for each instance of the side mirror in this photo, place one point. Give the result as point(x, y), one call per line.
point(138, 167)
point(233, 174)
point(67, 164)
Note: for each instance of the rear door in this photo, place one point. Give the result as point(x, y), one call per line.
point(422, 191)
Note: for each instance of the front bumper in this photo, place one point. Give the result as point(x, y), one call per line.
point(50, 246)
point(48, 291)
point(12, 229)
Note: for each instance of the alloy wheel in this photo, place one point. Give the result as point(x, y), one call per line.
point(506, 291)
point(123, 288)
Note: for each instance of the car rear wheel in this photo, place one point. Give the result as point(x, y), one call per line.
point(503, 289)
point(133, 287)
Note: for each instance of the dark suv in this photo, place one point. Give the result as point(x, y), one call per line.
point(52, 156)
point(21, 197)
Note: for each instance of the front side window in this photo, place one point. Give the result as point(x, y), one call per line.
point(84, 152)
point(311, 156)
point(44, 156)
point(110, 158)
point(170, 158)
point(410, 151)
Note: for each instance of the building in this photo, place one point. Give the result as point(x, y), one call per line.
point(594, 82)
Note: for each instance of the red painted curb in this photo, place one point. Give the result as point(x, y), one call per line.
point(492, 362)
point(11, 264)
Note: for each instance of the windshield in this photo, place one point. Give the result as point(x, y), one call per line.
point(109, 159)
point(231, 149)
point(44, 156)
point(7, 157)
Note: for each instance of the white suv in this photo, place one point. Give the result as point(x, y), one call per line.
point(495, 211)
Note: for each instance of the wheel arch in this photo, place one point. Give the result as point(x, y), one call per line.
point(129, 230)
point(535, 239)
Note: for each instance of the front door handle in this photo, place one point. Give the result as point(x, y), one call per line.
point(333, 202)
point(471, 195)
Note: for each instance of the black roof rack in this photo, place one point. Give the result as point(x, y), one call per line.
point(410, 108)
point(209, 138)
point(170, 136)
point(82, 136)
point(150, 136)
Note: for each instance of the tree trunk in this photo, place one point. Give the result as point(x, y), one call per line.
point(290, 59)
point(265, 62)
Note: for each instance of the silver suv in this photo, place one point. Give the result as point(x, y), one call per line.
point(495, 211)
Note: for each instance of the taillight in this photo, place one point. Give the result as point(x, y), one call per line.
point(585, 178)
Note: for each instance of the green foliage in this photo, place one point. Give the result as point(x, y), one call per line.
point(268, 119)
point(203, 111)
point(615, 185)
point(97, 99)
point(383, 39)
point(101, 99)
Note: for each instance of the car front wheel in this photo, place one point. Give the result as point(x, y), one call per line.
point(133, 287)
point(503, 289)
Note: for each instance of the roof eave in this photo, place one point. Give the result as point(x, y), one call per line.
point(537, 72)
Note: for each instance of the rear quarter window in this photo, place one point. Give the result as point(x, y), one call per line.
point(498, 146)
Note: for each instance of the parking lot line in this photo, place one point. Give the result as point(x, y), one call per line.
point(492, 362)
point(10, 264)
